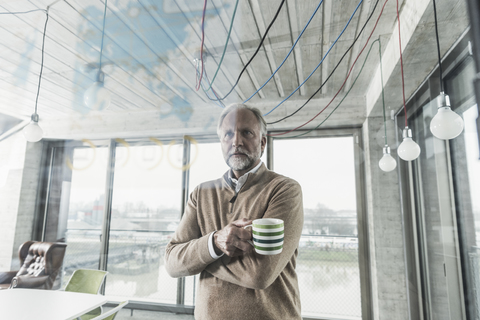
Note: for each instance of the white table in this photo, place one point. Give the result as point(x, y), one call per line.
point(27, 304)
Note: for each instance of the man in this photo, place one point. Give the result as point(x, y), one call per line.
point(235, 281)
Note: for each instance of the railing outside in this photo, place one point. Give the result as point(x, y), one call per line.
point(329, 276)
point(327, 269)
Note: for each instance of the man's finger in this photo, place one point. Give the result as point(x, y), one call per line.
point(242, 222)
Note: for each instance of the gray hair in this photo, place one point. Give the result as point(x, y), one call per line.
point(238, 106)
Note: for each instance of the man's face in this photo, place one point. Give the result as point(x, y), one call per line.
point(242, 142)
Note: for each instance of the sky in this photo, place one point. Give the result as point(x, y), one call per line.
point(323, 166)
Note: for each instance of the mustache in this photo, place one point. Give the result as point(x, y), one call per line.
point(238, 150)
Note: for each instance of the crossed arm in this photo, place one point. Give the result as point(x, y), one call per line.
point(187, 253)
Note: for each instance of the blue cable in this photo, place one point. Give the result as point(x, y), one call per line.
point(203, 87)
point(298, 38)
point(318, 64)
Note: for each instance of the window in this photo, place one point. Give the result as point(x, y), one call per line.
point(146, 205)
point(440, 198)
point(146, 183)
point(81, 205)
point(327, 263)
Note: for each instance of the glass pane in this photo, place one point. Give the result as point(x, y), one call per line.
point(327, 264)
point(473, 165)
point(145, 213)
point(207, 164)
point(85, 213)
point(466, 173)
point(436, 220)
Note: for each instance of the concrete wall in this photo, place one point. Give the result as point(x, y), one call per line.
point(387, 259)
point(12, 158)
point(20, 168)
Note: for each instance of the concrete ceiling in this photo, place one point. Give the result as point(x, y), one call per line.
point(150, 46)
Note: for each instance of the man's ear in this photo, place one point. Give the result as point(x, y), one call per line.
point(263, 143)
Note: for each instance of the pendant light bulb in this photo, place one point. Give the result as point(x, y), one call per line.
point(408, 150)
point(446, 124)
point(387, 163)
point(32, 131)
point(97, 97)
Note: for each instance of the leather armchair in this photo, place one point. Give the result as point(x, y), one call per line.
point(40, 262)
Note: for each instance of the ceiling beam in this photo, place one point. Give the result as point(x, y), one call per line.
point(118, 13)
point(189, 17)
point(410, 17)
point(236, 40)
point(257, 14)
point(59, 38)
point(364, 11)
point(293, 25)
point(327, 22)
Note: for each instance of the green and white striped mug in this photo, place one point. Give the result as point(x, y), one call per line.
point(267, 235)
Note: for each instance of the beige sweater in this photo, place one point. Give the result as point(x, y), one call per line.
point(252, 286)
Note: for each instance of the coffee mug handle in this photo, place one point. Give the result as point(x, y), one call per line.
point(249, 241)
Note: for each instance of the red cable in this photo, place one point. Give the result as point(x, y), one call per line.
point(401, 67)
point(201, 47)
point(279, 134)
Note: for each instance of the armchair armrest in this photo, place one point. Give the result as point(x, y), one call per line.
point(26, 281)
point(6, 277)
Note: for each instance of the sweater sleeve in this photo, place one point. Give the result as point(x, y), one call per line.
point(187, 252)
point(257, 271)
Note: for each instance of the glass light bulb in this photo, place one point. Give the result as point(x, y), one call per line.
point(446, 124)
point(33, 132)
point(387, 163)
point(97, 97)
point(408, 150)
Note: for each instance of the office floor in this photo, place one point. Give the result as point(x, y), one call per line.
point(125, 314)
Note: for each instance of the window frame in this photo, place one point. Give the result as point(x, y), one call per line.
point(52, 149)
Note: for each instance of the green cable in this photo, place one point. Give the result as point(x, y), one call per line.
point(383, 98)
point(338, 105)
point(224, 49)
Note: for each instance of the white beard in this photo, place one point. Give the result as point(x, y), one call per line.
point(243, 163)
point(240, 163)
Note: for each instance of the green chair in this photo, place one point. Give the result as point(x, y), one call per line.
point(87, 281)
point(110, 315)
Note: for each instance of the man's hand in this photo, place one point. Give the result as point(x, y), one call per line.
point(232, 239)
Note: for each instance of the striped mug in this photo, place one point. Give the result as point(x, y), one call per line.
point(267, 235)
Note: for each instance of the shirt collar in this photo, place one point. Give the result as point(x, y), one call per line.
point(238, 183)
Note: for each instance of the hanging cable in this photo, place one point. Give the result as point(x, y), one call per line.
point(338, 105)
point(318, 64)
point(349, 72)
point(257, 50)
point(41, 65)
point(23, 12)
point(206, 79)
point(189, 19)
point(224, 49)
point(32, 131)
point(201, 46)
point(288, 54)
point(383, 96)
point(103, 35)
point(438, 47)
point(43, 48)
point(333, 71)
point(401, 67)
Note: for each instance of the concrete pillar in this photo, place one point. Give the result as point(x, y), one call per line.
point(387, 258)
point(19, 173)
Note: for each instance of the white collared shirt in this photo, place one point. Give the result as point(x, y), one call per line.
point(238, 185)
point(241, 181)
